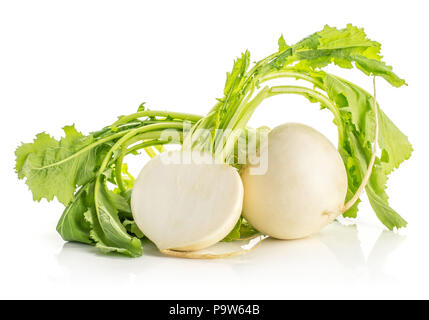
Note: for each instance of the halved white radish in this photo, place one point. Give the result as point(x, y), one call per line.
point(303, 189)
point(184, 201)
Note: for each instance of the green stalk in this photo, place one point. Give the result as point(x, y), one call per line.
point(152, 143)
point(154, 113)
point(152, 127)
point(120, 160)
point(272, 76)
point(85, 149)
point(150, 152)
point(292, 74)
point(315, 95)
point(118, 173)
point(152, 136)
point(223, 151)
point(267, 92)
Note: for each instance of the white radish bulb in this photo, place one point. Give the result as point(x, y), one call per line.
point(186, 206)
point(303, 189)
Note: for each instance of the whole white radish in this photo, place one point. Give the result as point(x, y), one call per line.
point(303, 189)
point(186, 206)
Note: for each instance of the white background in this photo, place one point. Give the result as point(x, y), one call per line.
point(86, 62)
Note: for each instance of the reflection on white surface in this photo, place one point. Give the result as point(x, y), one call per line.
point(332, 258)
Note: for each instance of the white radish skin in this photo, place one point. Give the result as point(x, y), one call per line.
point(303, 189)
point(186, 206)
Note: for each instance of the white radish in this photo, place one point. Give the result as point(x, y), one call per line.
point(186, 206)
point(303, 189)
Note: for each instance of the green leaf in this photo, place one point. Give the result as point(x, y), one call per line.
point(241, 231)
point(394, 144)
point(389, 217)
point(121, 202)
point(282, 44)
point(353, 181)
point(247, 230)
point(235, 77)
point(349, 37)
point(378, 68)
point(310, 43)
point(375, 188)
point(349, 98)
point(47, 173)
point(108, 232)
point(277, 63)
point(343, 47)
point(235, 232)
point(224, 110)
point(72, 225)
point(127, 178)
point(132, 228)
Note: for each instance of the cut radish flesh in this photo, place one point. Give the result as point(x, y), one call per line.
point(186, 205)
